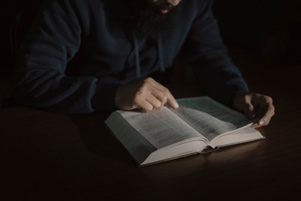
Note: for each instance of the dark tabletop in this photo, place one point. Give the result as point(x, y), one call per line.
point(51, 156)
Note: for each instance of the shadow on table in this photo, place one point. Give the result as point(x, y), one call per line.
point(98, 139)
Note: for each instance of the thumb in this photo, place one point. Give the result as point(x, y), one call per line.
point(248, 108)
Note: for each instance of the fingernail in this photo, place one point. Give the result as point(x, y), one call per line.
point(175, 104)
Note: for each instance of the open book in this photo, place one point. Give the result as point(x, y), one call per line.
point(169, 133)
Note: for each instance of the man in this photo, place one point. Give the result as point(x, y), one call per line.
point(121, 43)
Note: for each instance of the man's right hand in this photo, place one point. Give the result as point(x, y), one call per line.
point(144, 94)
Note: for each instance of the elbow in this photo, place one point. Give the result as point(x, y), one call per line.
point(27, 88)
point(23, 96)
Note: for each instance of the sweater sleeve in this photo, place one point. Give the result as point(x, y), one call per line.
point(39, 75)
point(208, 57)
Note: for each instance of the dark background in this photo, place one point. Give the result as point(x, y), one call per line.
point(48, 156)
point(269, 30)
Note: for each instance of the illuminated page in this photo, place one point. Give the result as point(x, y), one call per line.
point(209, 117)
point(161, 127)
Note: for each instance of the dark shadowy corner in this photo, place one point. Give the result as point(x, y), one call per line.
point(16, 18)
point(98, 139)
point(261, 34)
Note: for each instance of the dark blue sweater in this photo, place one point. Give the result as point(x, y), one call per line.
point(98, 32)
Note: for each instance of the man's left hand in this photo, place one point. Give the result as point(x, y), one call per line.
point(254, 105)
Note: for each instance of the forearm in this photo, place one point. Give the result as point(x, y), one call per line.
point(39, 75)
point(208, 57)
point(220, 82)
point(56, 92)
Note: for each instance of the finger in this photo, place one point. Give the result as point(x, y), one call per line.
point(265, 120)
point(141, 103)
point(264, 109)
point(172, 101)
point(255, 125)
point(155, 89)
point(145, 106)
point(165, 97)
point(248, 108)
point(162, 93)
point(153, 100)
point(160, 96)
point(155, 84)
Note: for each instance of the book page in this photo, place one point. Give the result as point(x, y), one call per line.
point(209, 117)
point(236, 137)
point(135, 144)
point(160, 127)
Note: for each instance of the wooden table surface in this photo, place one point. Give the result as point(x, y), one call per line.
point(50, 156)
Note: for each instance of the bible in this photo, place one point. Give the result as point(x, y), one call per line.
point(166, 133)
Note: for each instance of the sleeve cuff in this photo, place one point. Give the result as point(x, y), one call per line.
point(226, 94)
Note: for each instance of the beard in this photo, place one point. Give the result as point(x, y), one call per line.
point(147, 18)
